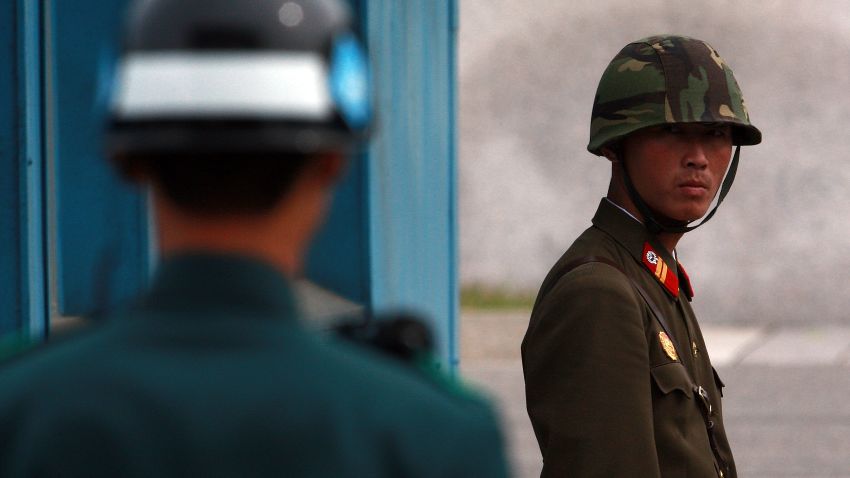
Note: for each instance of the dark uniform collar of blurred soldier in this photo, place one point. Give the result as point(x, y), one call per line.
point(676, 169)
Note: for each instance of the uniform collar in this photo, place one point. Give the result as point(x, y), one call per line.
point(643, 247)
point(220, 285)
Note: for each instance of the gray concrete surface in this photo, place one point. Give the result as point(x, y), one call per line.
point(785, 418)
point(777, 252)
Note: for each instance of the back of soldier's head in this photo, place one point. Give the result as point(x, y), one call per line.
point(222, 102)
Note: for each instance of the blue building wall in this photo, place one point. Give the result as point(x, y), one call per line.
point(389, 242)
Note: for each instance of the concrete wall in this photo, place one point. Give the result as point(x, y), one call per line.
point(777, 251)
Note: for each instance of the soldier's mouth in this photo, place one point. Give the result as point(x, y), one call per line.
point(693, 187)
point(694, 183)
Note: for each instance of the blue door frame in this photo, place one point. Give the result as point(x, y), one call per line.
point(65, 220)
point(23, 282)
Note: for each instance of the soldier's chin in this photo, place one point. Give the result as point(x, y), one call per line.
point(682, 218)
point(693, 216)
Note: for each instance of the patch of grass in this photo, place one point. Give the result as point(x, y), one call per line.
point(490, 298)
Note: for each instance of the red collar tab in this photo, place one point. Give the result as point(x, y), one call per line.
point(656, 265)
point(686, 282)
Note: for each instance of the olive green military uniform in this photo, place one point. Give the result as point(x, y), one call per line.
point(212, 374)
point(610, 393)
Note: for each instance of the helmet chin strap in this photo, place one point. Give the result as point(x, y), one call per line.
point(655, 226)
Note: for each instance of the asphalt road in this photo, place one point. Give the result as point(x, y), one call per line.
point(786, 402)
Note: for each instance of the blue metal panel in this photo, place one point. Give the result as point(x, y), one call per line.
point(390, 239)
point(337, 259)
point(10, 226)
point(411, 183)
point(22, 270)
point(101, 224)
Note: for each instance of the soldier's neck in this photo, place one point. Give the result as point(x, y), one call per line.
point(667, 239)
point(264, 237)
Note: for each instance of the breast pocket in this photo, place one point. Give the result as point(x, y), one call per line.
point(674, 407)
point(672, 377)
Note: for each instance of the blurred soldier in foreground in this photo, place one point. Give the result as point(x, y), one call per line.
point(237, 113)
point(618, 378)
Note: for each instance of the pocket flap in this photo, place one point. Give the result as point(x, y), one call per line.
point(672, 376)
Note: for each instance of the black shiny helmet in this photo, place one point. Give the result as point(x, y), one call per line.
point(239, 77)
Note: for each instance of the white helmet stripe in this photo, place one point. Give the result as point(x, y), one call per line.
point(285, 85)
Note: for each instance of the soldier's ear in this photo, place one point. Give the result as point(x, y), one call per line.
point(328, 168)
point(136, 170)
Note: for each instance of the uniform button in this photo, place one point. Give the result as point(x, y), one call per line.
point(695, 348)
point(721, 474)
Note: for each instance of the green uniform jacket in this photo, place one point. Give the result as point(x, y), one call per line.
point(605, 396)
point(211, 374)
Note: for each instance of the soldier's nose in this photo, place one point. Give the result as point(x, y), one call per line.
point(695, 155)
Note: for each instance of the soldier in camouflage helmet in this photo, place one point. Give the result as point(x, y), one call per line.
point(618, 378)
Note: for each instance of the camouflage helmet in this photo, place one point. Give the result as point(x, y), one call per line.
point(667, 79)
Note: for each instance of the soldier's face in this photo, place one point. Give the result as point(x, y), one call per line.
point(677, 169)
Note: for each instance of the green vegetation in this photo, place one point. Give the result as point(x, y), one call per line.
point(478, 297)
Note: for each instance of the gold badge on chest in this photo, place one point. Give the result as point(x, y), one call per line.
point(667, 345)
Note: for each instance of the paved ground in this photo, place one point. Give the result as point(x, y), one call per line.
point(786, 405)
